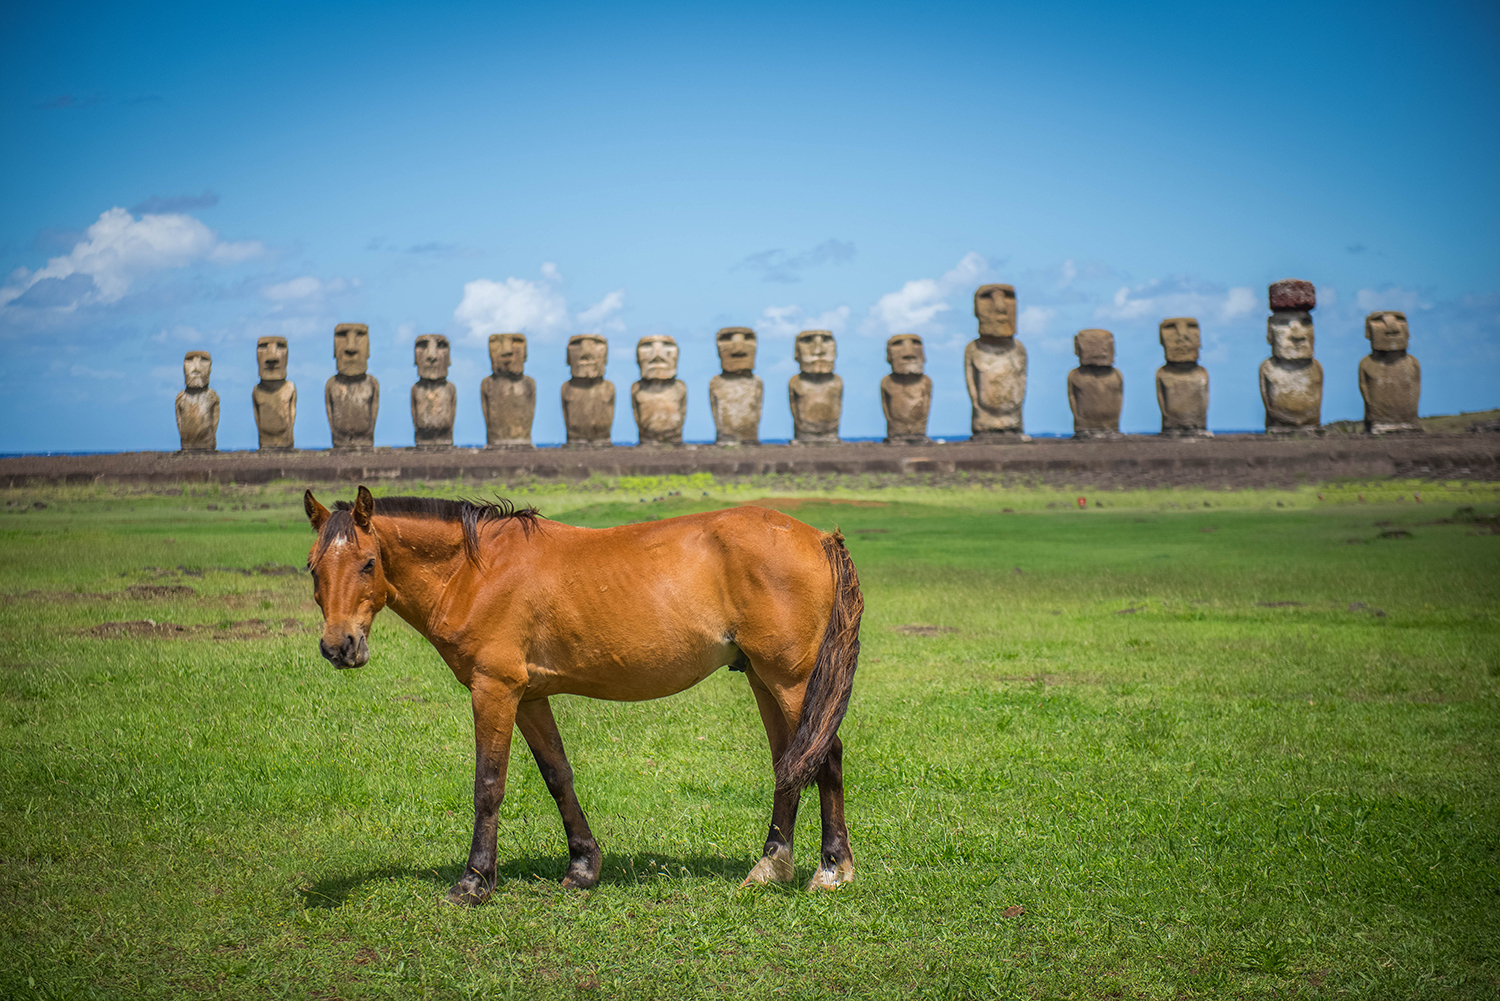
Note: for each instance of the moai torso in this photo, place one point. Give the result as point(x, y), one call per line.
point(905, 394)
point(736, 394)
point(352, 396)
point(1390, 380)
point(588, 399)
point(434, 400)
point(1096, 390)
point(507, 396)
point(275, 396)
point(197, 405)
point(1291, 380)
point(995, 366)
point(1182, 384)
point(815, 393)
point(659, 399)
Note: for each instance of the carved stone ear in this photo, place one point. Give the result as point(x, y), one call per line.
point(364, 507)
point(316, 513)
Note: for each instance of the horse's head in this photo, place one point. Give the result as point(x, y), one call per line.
point(348, 580)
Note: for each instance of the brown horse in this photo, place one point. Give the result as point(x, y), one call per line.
point(522, 609)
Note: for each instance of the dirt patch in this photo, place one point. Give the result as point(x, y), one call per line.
point(1281, 604)
point(247, 629)
point(263, 570)
point(917, 630)
point(147, 592)
point(794, 503)
point(136, 592)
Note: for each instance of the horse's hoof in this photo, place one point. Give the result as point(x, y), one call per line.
point(775, 868)
point(467, 893)
point(831, 879)
point(580, 878)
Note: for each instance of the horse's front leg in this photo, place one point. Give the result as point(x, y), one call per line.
point(494, 720)
point(540, 730)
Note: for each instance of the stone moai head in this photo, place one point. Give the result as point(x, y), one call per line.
point(508, 353)
point(270, 358)
point(736, 349)
point(351, 348)
point(656, 354)
point(432, 356)
point(195, 368)
point(1387, 331)
point(816, 351)
point(587, 355)
point(1181, 338)
point(995, 309)
point(1095, 347)
point(905, 354)
point(1289, 330)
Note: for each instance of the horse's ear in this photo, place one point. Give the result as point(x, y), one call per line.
point(364, 507)
point(316, 513)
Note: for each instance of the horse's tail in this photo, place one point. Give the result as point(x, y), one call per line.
point(832, 677)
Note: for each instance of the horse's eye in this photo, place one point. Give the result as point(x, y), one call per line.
point(369, 567)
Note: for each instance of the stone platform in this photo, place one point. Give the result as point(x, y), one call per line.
point(1131, 461)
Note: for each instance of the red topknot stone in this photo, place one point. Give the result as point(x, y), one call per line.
point(1293, 293)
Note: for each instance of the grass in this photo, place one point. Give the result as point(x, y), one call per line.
point(1151, 749)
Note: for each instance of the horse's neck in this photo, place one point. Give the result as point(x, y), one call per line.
point(419, 556)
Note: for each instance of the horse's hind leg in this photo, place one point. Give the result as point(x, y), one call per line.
point(775, 865)
point(540, 730)
point(835, 862)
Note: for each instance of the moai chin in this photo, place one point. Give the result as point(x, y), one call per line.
point(906, 394)
point(995, 367)
point(197, 405)
point(659, 399)
point(816, 394)
point(274, 397)
point(434, 400)
point(507, 395)
point(1291, 380)
point(1390, 380)
point(588, 399)
point(1182, 384)
point(352, 397)
point(1096, 390)
point(736, 394)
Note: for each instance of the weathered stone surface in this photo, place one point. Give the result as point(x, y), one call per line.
point(995, 367)
point(507, 395)
point(588, 399)
point(1390, 380)
point(1182, 384)
point(275, 396)
point(906, 394)
point(197, 405)
point(352, 396)
point(815, 393)
point(736, 394)
point(1291, 380)
point(659, 399)
point(434, 400)
point(1096, 390)
point(1293, 293)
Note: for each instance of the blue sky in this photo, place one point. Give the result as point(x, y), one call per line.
point(196, 177)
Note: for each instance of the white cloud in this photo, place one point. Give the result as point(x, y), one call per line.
point(120, 249)
point(787, 321)
point(307, 287)
point(84, 372)
point(600, 318)
point(918, 302)
point(1391, 297)
point(1161, 298)
point(515, 304)
point(1033, 320)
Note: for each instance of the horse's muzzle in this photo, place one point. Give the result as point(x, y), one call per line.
point(352, 651)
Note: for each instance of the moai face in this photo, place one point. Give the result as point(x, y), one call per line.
point(587, 355)
point(432, 356)
point(1387, 331)
point(270, 358)
point(816, 351)
point(508, 353)
point(657, 357)
point(1180, 338)
point(351, 348)
point(736, 349)
point(1095, 347)
point(1290, 335)
point(195, 369)
point(995, 309)
point(904, 352)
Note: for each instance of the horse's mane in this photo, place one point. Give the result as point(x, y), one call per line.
point(471, 515)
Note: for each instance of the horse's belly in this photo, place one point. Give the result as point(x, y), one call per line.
point(621, 677)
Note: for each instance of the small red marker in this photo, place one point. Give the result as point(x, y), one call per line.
point(1083, 502)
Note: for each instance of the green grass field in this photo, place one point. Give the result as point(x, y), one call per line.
point(1178, 744)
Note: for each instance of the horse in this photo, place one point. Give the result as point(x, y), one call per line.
point(522, 608)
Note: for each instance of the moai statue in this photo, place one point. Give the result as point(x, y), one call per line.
point(197, 405)
point(1182, 384)
point(1096, 390)
point(995, 367)
point(508, 395)
point(1390, 380)
point(434, 400)
point(588, 399)
point(815, 393)
point(735, 395)
point(659, 399)
point(906, 394)
point(352, 397)
point(274, 397)
point(1291, 380)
